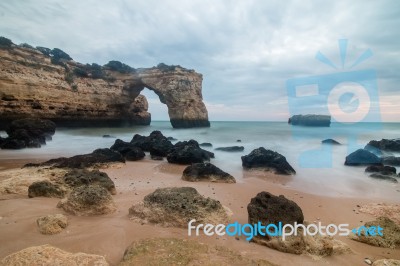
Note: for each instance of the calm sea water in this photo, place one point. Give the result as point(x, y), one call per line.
point(291, 142)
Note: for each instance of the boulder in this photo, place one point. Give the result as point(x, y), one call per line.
point(386, 144)
point(389, 239)
point(108, 136)
point(310, 120)
point(271, 209)
point(267, 159)
point(88, 200)
point(97, 157)
point(128, 150)
point(171, 139)
point(156, 143)
point(362, 157)
point(36, 128)
point(46, 189)
point(206, 172)
point(386, 262)
point(135, 154)
point(176, 206)
point(390, 178)
point(382, 169)
point(47, 255)
point(188, 152)
point(13, 144)
point(231, 148)
point(331, 141)
point(52, 224)
point(80, 177)
point(391, 160)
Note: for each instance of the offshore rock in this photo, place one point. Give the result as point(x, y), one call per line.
point(310, 120)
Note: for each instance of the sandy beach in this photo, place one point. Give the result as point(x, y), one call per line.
point(110, 234)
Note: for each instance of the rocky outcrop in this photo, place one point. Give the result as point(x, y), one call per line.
point(391, 160)
point(188, 152)
point(176, 206)
point(266, 159)
point(88, 200)
point(52, 224)
point(206, 172)
point(385, 144)
point(362, 157)
point(49, 255)
point(310, 120)
point(34, 84)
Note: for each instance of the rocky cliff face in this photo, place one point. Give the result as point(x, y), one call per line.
point(31, 85)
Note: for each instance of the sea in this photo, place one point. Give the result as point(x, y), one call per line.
point(319, 167)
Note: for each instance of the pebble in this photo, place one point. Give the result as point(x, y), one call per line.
point(368, 261)
point(358, 206)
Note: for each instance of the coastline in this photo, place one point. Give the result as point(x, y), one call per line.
point(110, 234)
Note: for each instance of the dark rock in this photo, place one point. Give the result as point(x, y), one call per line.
point(161, 147)
point(35, 127)
point(310, 120)
point(391, 160)
point(206, 172)
point(122, 146)
point(270, 209)
point(184, 123)
point(238, 140)
point(45, 189)
point(141, 141)
point(386, 144)
point(331, 141)
point(13, 144)
point(155, 143)
point(362, 157)
point(108, 136)
point(205, 144)
point(384, 170)
point(135, 154)
point(384, 177)
point(99, 156)
point(88, 200)
point(231, 149)
point(262, 158)
point(188, 152)
point(171, 139)
point(79, 177)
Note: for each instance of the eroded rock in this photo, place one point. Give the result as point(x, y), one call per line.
point(176, 206)
point(188, 152)
point(46, 189)
point(206, 172)
point(362, 157)
point(80, 177)
point(52, 224)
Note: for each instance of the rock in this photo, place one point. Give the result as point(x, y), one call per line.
point(271, 209)
point(35, 128)
point(310, 120)
point(231, 149)
point(238, 140)
point(391, 160)
point(174, 251)
point(94, 100)
point(128, 150)
point(161, 148)
point(88, 200)
point(384, 177)
point(392, 211)
point(46, 189)
point(206, 172)
point(205, 144)
point(176, 206)
point(80, 177)
point(47, 255)
point(97, 157)
point(188, 152)
point(13, 144)
point(108, 136)
point(135, 154)
point(386, 144)
point(389, 239)
point(171, 139)
point(384, 170)
point(386, 262)
point(331, 141)
point(52, 224)
point(157, 144)
point(362, 157)
point(267, 159)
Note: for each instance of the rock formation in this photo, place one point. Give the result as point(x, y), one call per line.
point(35, 83)
point(206, 172)
point(362, 157)
point(310, 120)
point(52, 224)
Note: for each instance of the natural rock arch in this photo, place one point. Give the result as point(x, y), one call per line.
point(179, 89)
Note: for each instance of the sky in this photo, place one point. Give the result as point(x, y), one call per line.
point(247, 51)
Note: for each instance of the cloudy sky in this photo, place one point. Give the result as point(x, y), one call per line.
point(246, 50)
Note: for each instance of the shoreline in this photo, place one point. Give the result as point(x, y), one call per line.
point(110, 234)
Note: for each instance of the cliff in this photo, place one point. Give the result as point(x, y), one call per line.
point(38, 84)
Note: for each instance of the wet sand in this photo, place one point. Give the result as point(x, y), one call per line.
point(109, 235)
